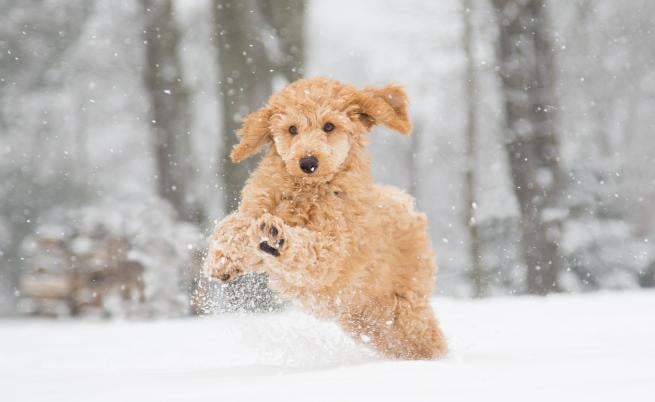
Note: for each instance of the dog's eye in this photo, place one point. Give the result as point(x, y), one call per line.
point(328, 127)
point(293, 130)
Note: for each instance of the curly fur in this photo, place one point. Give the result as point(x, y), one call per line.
point(343, 247)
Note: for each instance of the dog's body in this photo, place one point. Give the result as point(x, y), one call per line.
point(343, 247)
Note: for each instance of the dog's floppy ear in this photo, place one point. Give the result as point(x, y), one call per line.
point(254, 133)
point(386, 105)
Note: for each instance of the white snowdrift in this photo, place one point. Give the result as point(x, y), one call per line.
point(597, 347)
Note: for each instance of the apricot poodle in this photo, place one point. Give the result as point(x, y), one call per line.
point(328, 237)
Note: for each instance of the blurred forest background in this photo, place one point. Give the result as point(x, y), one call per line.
point(532, 154)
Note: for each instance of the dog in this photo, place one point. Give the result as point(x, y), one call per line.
point(328, 237)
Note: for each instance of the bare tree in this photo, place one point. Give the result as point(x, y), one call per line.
point(255, 41)
point(169, 110)
point(478, 276)
point(526, 69)
point(245, 82)
point(287, 19)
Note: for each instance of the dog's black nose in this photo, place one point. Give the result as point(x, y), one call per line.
point(308, 164)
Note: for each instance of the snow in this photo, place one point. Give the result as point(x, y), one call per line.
point(596, 347)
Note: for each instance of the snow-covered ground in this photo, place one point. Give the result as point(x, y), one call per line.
point(598, 347)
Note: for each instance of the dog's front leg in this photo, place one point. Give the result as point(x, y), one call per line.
point(230, 249)
point(294, 255)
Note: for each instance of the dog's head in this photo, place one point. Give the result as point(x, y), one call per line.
point(314, 124)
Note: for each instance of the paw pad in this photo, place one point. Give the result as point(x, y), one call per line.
point(265, 247)
point(270, 236)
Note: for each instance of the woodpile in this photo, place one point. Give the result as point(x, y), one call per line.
point(79, 274)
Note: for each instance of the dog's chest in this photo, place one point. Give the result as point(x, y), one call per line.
point(316, 211)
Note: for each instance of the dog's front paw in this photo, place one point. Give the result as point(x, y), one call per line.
point(269, 235)
point(219, 266)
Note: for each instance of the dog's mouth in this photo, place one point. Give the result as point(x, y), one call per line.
point(314, 177)
point(309, 169)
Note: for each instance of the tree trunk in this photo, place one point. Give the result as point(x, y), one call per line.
point(169, 110)
point(526, 69)
point(247, 70)
point(478, 276)
point(413, 164)
point(245, 82)
point(287, 18)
